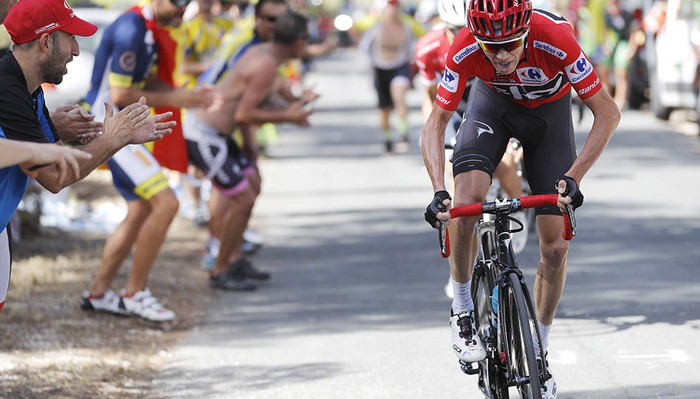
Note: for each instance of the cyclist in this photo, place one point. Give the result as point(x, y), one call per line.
point(526, 62)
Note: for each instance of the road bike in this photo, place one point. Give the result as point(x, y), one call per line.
point(503, 309)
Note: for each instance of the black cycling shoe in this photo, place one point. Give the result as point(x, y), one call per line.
point(228, 282)
point(243, 269)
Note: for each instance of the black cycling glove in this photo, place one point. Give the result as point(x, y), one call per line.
point(436, 205)
point(571, 191)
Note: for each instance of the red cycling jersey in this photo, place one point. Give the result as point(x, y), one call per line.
point(552, 62)
point(431, 50)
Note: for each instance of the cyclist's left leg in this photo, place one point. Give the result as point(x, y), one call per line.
point(549, 152)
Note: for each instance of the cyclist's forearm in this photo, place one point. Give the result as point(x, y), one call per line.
point(606, 117)
point(433, 147)
point(435, 164)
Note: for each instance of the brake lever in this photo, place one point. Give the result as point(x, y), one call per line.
point(442, 239)
point(571, 219)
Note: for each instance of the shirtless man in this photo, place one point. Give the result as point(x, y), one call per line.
point(247, 97)
point(390, 43)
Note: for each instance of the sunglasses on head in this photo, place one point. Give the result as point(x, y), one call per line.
point(508, 45)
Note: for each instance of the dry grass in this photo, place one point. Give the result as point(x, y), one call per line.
point(50, 348)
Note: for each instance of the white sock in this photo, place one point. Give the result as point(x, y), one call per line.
point(462, 299)
point(544, 335)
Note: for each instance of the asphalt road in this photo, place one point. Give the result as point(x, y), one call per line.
point(356, 307)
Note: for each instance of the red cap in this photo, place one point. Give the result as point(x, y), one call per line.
point(29, 19)
point(393, 2)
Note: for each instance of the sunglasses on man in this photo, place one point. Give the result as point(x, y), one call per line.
point(180, 3)
point(269, 18)
point(508, 45)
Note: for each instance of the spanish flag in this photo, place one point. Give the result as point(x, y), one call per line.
point(171, 151)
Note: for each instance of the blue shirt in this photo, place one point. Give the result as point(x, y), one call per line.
point(13, 184)
point(125, 57)
point(24, 117)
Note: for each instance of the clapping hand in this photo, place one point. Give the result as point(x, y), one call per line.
point(74, 123)
point(136, 123)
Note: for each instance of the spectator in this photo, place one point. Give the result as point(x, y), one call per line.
point(125, 59)
point(619, 22)
point(390, 41)
point(234, 45)
point(202, 36)
point(43, 33)
point(246, 89)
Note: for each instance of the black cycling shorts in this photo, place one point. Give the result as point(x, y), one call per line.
point(546, 134)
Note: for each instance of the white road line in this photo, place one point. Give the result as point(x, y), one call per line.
point(671, 355)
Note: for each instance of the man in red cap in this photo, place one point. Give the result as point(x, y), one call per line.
point(43, 32)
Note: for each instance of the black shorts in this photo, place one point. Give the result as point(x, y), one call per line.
point(382, 83)
point(546, 134)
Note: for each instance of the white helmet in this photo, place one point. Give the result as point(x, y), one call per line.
point(453, 12)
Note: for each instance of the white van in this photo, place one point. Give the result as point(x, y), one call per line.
point(673, 59)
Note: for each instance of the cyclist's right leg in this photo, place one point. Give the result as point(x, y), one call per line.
point(470, 187)
point(481, 142)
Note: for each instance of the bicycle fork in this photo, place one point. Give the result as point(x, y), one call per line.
point(502, 282)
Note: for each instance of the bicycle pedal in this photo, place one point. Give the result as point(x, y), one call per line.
point(468, 368)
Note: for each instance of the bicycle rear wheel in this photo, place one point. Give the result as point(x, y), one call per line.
point(520, 322)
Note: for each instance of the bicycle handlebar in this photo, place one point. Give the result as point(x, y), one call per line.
point(507, 206)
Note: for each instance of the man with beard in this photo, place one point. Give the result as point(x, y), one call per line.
point(136, 58)
point(43, 33)
point(30, 155)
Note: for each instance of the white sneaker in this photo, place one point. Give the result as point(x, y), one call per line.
point(549, 389)
point(465, 341)
point(253, 236)
point(108, 303)
point(145, 305)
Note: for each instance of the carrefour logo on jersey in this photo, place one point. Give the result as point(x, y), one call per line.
point(463, 53)
point(579, 70)
point(546, 47)
point(450, 80)
point(532, 75)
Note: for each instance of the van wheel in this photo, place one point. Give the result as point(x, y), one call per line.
point(657, 108)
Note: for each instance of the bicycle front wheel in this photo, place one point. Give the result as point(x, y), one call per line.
point(491, 377)
point(519, 325)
